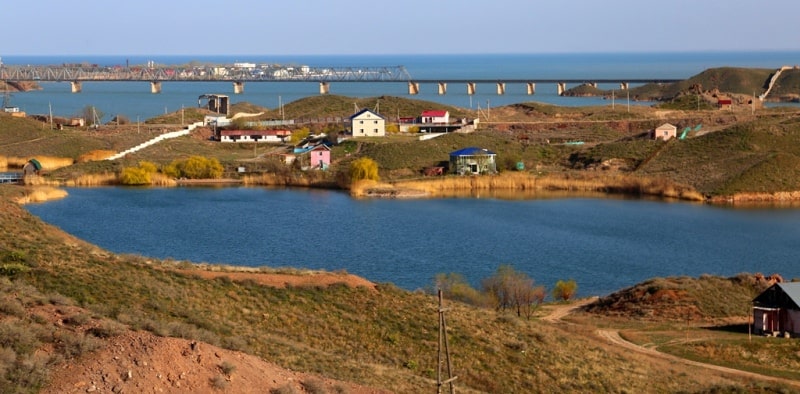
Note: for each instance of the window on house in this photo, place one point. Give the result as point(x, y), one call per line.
point(360, 122)
point(376, 122)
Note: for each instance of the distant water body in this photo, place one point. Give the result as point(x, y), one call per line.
point(134, 99)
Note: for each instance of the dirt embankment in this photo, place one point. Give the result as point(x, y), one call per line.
point(20, 86)
point(135, 361)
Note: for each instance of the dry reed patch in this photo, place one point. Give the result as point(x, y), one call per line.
point(95, 155)
point(47, 162)
point(41, 194)
point(103, 179)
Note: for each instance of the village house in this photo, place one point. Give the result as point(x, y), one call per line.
point(366, 123)
point(473, 161)
point(273, 136)
point(665, 132)
point(435, 117)
point(777, 310)
point(312, 157)
point(724, 103)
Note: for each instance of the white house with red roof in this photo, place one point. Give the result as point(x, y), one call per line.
point(435, 116)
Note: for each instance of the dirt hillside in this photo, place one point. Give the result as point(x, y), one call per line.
point(141, 362)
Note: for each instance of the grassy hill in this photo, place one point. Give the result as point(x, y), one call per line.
point(744, 81)
point(324, 106)
point(759, 156)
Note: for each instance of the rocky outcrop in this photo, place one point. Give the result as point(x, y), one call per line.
point(21, 86)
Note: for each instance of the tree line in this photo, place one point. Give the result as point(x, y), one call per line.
point(506, 289)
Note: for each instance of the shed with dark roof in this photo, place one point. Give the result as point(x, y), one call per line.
point(777, 310)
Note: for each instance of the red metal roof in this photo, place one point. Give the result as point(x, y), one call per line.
point(434, 113)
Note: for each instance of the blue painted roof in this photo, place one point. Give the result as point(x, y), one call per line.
point(471, 151)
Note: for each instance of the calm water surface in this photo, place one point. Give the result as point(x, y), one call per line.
point(604, 244)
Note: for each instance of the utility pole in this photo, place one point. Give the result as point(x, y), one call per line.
point(443, 343)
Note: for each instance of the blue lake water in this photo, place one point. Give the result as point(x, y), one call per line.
point(134, 99)
point(604, 244)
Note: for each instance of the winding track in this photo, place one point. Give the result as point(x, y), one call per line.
point(613, 337)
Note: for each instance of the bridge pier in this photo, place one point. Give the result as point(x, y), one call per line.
point(531, 88)
point(413, 88)
point(442, 88)
point(324, 87)
point(471, 88)
point(238, 87)
point(501, 88)
point(155, 87)
point(623, 85)
point(76, 86)
point(562, 87)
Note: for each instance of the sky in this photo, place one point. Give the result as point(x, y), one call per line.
point(357, 27)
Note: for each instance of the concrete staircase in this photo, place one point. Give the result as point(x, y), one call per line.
point(162, 137)
point(773, 80)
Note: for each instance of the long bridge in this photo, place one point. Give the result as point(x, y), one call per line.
point(239, 73)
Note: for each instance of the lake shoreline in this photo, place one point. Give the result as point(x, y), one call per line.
point(511, 185)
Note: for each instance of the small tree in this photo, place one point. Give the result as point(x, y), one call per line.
point(455, 287)
point(565, 290)
point(300, 134)
point(91, 115)
point(364, 169)
point(513, 289)
point(134, 176)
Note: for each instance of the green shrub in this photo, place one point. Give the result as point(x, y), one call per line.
point(313, 386)
point(565, 290)
point(196, 167)
point(134, 176)
point(148, 166)
point(227, 368)
point(107, 329)
point(219, 382)
point(13, 269)
point(364, 169)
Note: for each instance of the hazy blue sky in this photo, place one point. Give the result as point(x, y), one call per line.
point(308, 27)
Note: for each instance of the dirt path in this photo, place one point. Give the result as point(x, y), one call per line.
point(613, 337)
point(559, 311)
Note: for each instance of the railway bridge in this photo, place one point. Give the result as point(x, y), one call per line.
point(240, 73)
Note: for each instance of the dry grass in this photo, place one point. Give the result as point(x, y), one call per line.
point(573, 182)
point(95, 155)
point(41, 194)
point(48, 162)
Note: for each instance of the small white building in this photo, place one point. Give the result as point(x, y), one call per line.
point(665, 132)
point(273, 136)
point(366, 123)
point(435, 116)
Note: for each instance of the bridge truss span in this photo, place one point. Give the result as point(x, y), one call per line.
point(87, 73)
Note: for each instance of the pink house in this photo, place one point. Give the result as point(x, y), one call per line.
point(320, 157)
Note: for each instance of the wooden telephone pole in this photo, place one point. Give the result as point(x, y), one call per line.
point(443, 344)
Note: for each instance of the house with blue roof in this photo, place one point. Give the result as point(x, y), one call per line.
point(776, 310)
point(473, 160)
